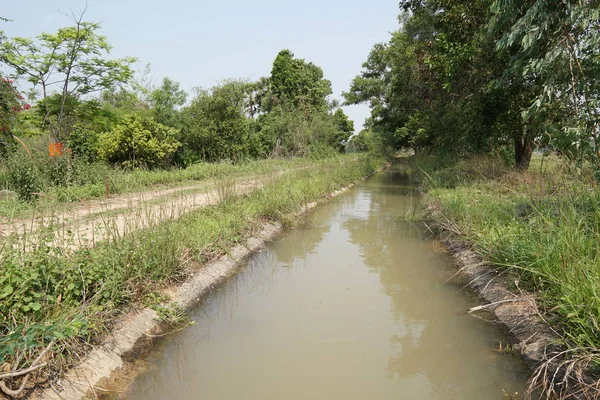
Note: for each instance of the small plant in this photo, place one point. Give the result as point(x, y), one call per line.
point(171, 314)
point(226, 189)
point(154, 299)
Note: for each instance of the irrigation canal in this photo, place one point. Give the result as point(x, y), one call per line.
point(354, 304)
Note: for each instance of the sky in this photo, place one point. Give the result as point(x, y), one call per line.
point(200, 43)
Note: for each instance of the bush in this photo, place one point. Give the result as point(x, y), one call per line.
point(23, 175)
point(68, 171)
point(138, 142)
point(34, 171)
point(319, 151)
point(362, 142)
point(84, 144)
point(298, 133)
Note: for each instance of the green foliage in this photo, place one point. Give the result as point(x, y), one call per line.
point(293, 132)
point(24, 175)
point(554, 45)
point(345, 128)
point(477, 76)
point(296, 83)
point(77, 115)
point(165, 101)
point(320, 151)
point(360, 142)
point(32, 173)
point(72, 59)
point(10, 104)
point(138, 142)
point(392, 85)
point(342, 122)
point(26, 340)
point(216, 127)
point(83, 143)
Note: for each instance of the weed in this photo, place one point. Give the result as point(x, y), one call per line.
point(226, 189)
point(171, 314)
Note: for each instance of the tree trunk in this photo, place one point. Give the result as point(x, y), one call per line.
point(44, 98)
point(523, 151)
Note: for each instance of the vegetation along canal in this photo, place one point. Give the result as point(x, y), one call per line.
point(355, 305)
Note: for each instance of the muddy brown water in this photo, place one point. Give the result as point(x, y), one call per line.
point(355, 305)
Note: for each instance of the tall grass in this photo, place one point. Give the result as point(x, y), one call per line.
point(69, 298)
point(543, 226)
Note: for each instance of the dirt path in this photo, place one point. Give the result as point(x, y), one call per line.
point(88, 223)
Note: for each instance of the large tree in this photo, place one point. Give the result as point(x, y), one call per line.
point(432, 85)
point(297, 83)
point(554, 47)
point(215, 123)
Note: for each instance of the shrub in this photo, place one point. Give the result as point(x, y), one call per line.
point(138, 142)
point(23, 175)
point(84, 143)
point(319, 151)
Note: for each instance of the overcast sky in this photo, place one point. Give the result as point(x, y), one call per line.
point(199, 43)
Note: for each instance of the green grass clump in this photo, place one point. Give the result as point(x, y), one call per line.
point(68, 298)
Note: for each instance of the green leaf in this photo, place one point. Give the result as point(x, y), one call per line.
point(8, 290)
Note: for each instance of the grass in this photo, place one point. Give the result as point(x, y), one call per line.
point(100, 180)
point(68, 299)
point(543, 226)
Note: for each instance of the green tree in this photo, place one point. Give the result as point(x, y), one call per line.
point(342, 122)
point(216, 126)
point(73, 60)
point(431, 86)
point(166, 101)
point(297, 83)
point(134, 97)
point(393, 84)
point(361, 142)
point(345, 128)
point(554, 48)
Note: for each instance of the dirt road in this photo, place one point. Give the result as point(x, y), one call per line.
point(87, 223)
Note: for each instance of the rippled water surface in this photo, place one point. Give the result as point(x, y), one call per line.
point(354, 306)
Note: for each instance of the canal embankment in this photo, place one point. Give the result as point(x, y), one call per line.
point(529, 243)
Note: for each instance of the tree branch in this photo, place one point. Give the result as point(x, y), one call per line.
point(34, 366)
